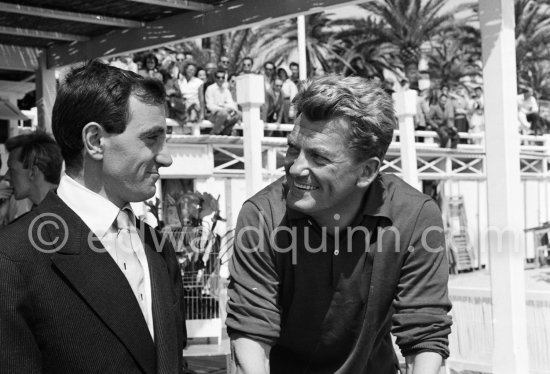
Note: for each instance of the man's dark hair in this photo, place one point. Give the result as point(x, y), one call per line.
point(269, 63)
point(293, 64)
point(367, 107)
point(249, 59)
point(38, 149)
point(96, 92)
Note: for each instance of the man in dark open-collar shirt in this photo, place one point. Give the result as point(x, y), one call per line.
point(331, 258)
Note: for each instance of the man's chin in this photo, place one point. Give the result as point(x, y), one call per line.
point(301, 205)
point(139, 196)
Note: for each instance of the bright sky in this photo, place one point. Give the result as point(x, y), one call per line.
point(354, 11)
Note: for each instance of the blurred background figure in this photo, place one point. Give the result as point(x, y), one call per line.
point(223, 112)
point(150, 67)
point(477, 121)
point(246, 66)
point(288, 90)
point(294, 72)
point(34, 165)
point(6, 192)
point(269, 74)
point(440, 119)
point(190, 88)
point(528, 113)
point(460, 106)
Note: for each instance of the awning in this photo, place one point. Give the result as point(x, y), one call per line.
point(10, 112)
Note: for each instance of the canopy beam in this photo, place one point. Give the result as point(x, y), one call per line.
point(68, 16)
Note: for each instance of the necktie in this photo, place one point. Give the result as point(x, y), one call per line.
point(126, 257)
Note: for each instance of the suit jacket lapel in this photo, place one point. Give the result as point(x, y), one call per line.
point(91, 271)
point(164, 304)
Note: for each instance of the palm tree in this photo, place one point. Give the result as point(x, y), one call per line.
point(235, 44)
point(280, 40)
point(532, 40)
point(363, 52)
point(408, 24)
point(537, 78)
point(454, 55)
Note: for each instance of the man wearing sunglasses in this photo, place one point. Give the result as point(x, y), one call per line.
point(223, 112)
point(247, 65)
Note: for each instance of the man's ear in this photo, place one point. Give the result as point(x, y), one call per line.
point(33, 172)
point(369, 172)
point(92, 137)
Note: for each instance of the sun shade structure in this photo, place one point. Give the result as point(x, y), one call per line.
point(73, 31)
point(10, 112)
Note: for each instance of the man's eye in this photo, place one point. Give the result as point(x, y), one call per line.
point(320, 159)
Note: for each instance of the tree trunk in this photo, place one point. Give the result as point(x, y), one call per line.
point(411, 72)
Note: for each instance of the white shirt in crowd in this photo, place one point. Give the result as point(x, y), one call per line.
point(218, 98)
point(190, 89)
point(527, 105)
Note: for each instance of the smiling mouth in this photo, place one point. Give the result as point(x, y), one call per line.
point(306, 187)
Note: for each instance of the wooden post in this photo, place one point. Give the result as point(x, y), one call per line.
point(250, 96)
point(302, 49)
point(506, 244)
point(46, 90)
point(405, 106)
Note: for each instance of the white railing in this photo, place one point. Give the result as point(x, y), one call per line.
point(424, 139)
point(471, 340)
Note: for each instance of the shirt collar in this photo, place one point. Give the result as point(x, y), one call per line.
point(97, 212)
point(376, 204)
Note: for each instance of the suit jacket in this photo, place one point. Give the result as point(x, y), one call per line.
point(67, 308)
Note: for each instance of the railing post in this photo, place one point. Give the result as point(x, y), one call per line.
point(271, 162)
point(405, 106)
point(546, 142)
point(250, 96)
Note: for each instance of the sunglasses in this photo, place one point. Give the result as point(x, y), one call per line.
point(247, 64)
point(225, 61)
point(220, 77)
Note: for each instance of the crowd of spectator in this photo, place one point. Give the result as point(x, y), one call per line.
point(197, 93)
point(450, 111)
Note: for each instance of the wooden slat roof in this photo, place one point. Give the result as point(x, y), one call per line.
point(69, 31)
point(12, 14)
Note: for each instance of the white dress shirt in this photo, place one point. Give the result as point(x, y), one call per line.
point(98, 214)
point(218, 98)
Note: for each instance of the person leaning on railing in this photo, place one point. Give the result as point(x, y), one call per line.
point(440, 119)
point(334, 256)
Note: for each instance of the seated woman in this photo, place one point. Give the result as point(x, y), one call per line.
point(190, 88)
point(150, 67)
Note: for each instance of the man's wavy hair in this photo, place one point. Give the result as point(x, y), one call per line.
point(96, 92)
point(367, 107)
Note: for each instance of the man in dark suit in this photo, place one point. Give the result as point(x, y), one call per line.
point(87, 288)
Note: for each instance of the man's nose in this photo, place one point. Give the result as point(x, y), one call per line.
point(164, 159)
point(299, 166)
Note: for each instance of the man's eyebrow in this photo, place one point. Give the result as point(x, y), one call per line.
point(159, 130)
